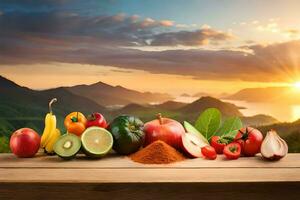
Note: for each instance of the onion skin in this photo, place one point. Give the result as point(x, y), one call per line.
point(273, 146)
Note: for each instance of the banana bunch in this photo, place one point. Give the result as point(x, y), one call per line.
point(51, 133)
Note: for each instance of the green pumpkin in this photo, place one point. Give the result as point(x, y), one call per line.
point(128, 134)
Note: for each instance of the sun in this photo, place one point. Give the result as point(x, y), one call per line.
point(297, 85)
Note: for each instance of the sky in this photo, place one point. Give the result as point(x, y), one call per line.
point(212, 46)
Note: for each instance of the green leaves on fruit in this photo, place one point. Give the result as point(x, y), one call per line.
point(230, 127)
point(208, 122)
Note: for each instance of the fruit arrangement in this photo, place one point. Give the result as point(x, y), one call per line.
point(160, 141)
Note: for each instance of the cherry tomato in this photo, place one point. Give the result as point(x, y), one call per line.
point(232, 151)
point(217, 143)
point(250, 140)
point(209, 152)
point(75, 123)
point(96, 119)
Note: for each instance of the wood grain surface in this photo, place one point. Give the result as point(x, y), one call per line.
point(49, 177)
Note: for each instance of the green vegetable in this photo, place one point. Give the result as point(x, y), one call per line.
point(191, 129)
point(128, 134)
point(208, 122)
point(230, 127)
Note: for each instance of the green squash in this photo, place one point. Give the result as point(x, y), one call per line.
point(128, 134)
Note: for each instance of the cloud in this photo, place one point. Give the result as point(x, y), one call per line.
point(270, 27)
point(166, 23)
point(68, 37)
point(104, 30)
point(189, 38)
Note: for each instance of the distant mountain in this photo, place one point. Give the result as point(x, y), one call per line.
point(185, 95)
point(269, 94)
point(201, 94)
point(171, 105)
point(179, 111)
point(23, 107)
point(259, 120)
point(108, 95)
point(198, 106)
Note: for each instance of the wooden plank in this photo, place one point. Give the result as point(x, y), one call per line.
point(111, 162)
point(150, 191)
point(154, 175)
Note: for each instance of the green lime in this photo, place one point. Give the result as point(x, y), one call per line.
point(67, 146)
point(96, 141)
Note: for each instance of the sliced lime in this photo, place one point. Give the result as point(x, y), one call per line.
point(67, 146)
point(96, 141)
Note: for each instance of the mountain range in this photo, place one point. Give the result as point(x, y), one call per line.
point(24, 107)
point(108, 95)
point(287, 95)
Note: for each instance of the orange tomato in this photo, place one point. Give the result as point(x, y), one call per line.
point(75, 123)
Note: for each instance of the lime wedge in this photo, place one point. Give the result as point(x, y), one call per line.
point(96, 141)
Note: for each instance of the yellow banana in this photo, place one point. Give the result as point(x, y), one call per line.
point(50, 125)
point(50, 144)
point(46, 132)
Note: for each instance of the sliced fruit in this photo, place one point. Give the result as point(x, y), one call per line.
point(96, 141)
point(191, 145)
point(191, 129)
point(67, 146)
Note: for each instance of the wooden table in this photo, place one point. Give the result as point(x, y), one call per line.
point(49, 177)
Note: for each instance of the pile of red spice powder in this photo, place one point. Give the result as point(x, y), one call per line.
point(158, 152)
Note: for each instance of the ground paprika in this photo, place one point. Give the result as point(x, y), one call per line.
point(158, 152)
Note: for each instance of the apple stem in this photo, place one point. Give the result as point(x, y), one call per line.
point(159, 117)
point(50, 104)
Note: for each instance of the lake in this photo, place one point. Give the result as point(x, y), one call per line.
point(282, 112)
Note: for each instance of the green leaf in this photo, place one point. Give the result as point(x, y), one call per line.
point(230, 127)
point(191, 129)
point(208, 122)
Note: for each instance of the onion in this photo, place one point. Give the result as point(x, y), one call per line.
point(273, 146)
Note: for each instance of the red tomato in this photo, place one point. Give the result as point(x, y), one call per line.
point(216, 143)
point(250, 140)
point(232, 151)
point(96, 119)
point(209, 152)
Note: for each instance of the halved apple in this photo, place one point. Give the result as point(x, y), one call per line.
point(192, 144)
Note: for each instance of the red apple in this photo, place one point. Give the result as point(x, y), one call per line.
point(165, 129)
point(25, 143)
point(191, 144)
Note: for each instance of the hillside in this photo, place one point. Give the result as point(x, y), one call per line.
point(108, 95)
point(190, 112)
point(269, 94)
point(198, 106)
point(259, 120)
point(171, 105)
point(23, 107)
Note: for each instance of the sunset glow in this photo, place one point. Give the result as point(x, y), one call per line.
point(203, 46)
point(297, 85)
